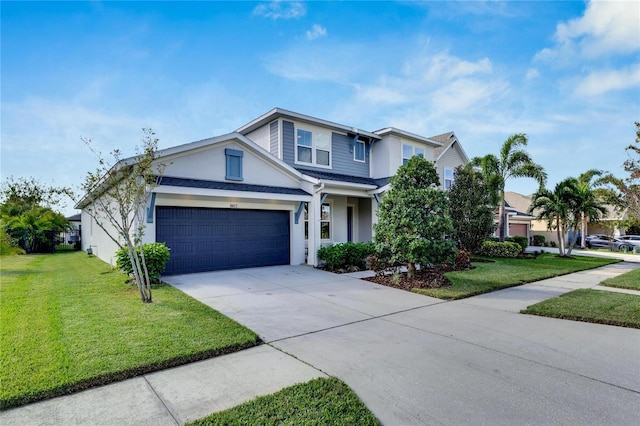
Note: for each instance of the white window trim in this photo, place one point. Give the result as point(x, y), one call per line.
point(313, 162)
point(330, 204)
point(364, 151)
point(444, 178)
point(413, 151)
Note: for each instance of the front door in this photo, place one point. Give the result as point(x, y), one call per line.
point(350, 224)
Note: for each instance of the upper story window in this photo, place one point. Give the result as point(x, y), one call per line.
point(313, 148)
point(409, 151)
point(448, 178)
point(359, 151)
point(233, 164)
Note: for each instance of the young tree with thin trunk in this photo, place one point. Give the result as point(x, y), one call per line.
point(513, 162)
point(116, 196)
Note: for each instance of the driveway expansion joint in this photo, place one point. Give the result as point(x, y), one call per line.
point(161, 401)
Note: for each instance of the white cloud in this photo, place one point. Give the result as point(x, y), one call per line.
point(532, 74)
point(606, 28)
point(280, 10)
point(316, 31)
point(600, 82)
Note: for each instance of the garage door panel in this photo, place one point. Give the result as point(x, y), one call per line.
point(216, 239)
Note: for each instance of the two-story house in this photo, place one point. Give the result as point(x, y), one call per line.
point(274, 191)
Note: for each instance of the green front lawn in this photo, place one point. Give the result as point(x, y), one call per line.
point(598, 306)
point(630, 280)
point(505, 272)
point(318, 402)
point(70, 322)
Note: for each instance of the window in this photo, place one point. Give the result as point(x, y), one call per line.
point(358, 151)
point(234, 164)
point(304, 146)
point(313, 148)
point(409, 151)
point(325, 221)
point(448, 178)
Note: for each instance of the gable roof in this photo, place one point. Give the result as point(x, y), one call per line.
point(276, 113)
point(403, 133)
point(188, 147)
point(448, 140)
point(517, 201)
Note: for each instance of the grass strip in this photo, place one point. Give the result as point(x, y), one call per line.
point(318, 402)
point(507, 272)
point(629, 280)
point(597, 306)
point(70, 322)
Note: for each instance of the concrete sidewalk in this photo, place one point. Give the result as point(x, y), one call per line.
point(173, 396)
point(412, 359)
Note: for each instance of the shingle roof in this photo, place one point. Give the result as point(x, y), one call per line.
point(228, 186)
point(341, 178)
point(518, 201)
point(74, 218)
point(446, 139)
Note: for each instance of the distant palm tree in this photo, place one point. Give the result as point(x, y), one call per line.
point(515, 162)
point(556, 207)
point(589, 206)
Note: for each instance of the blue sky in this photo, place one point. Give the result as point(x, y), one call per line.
point(565, 73)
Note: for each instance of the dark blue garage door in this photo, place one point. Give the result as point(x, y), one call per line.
point(214, 239)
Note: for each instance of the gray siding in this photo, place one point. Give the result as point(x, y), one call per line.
point(342, 157)
point(274, 146)
point(288, 143)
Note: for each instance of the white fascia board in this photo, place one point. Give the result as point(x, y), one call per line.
point(279, 112)
point(348, 192)
point(456, 142)
point(380, 190)
point(340, 184)
point(405, 134)
point(180, 190)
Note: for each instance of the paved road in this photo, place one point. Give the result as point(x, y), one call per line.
point(412, 359)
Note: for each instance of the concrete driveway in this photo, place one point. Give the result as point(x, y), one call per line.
point(416, 360)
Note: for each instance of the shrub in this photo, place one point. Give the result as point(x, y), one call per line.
point(538, 240)
point(494, 239)
point(552, 244)
point(497, 249)
point(156, 256)
point(344, 255)
point(463, 260)
point(523, 242)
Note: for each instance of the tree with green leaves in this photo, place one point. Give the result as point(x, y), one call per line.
point(624, 193)
point(470, 208)
point(116, 196)
point(589, 205)
point(27, 215)
point(513, 162)
point(413, 218)
point(557, 207)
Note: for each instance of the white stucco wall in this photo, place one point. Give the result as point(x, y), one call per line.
point(95, 237)
point(386, 155)
point(210, 164)
point(260, 136)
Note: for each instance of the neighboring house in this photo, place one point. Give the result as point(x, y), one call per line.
point(519, 222)
point(521, 203)
point(447, 157)
point(72, 236)
point(271, 193)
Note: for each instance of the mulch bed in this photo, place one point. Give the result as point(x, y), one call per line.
point(427, 278)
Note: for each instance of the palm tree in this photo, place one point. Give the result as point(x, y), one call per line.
point(589, 206)
point(515, 162)
point(556, 207)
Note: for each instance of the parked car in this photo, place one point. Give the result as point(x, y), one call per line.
point(597, 241)
point(633, 239)
point(624, 245)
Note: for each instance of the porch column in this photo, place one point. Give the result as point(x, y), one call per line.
point(313, 243)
